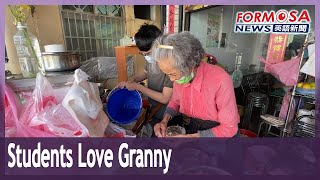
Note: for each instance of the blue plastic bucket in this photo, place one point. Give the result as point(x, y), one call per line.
point(124, 106)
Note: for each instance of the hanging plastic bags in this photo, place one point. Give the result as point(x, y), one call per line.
point(84, 104)
point(42, 115)
point(285, 107)
point(287, 71)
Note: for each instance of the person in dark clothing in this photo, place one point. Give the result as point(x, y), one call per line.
point(159, 89)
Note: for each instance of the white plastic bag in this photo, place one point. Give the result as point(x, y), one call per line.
point(84, 104)
point(113, 130)
point(310, 66)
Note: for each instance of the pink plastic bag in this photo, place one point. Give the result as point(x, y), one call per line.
point(54, 118)
point(42, 116)
point(285, 107)
point(13, 127)
point(287, 71)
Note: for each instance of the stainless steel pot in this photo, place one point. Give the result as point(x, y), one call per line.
point(62, 61)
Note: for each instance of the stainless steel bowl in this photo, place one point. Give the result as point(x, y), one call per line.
point(62, 61)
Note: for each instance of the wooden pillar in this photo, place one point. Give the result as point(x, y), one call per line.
point(121, 56)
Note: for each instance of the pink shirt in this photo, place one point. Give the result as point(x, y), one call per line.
point(210, 96)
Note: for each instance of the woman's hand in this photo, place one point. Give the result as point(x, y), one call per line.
point(121, 85)
point(129, 85)
point(132, 86)
point(160, 128)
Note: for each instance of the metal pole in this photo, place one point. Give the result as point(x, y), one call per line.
point(285, 130)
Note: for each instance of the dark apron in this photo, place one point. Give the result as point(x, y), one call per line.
point(196, 125)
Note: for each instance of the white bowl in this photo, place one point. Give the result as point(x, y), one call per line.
point(55, 48)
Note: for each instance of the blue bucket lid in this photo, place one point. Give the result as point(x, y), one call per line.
point(123, 105)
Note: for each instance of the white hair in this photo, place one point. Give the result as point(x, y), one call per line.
point(183, 47)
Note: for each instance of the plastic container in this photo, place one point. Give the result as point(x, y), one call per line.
point(29, 63)
point(55, 48)
point(125, 41)
point(123, 106)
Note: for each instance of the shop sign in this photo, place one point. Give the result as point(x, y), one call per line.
point(276, 48)
point(171, 18)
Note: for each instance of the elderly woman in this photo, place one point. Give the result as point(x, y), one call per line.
point(202, 91)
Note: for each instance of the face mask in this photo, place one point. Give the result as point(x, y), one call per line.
point(185, 79)
point(149, 59)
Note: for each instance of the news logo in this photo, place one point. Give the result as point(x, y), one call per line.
point(282, 21)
